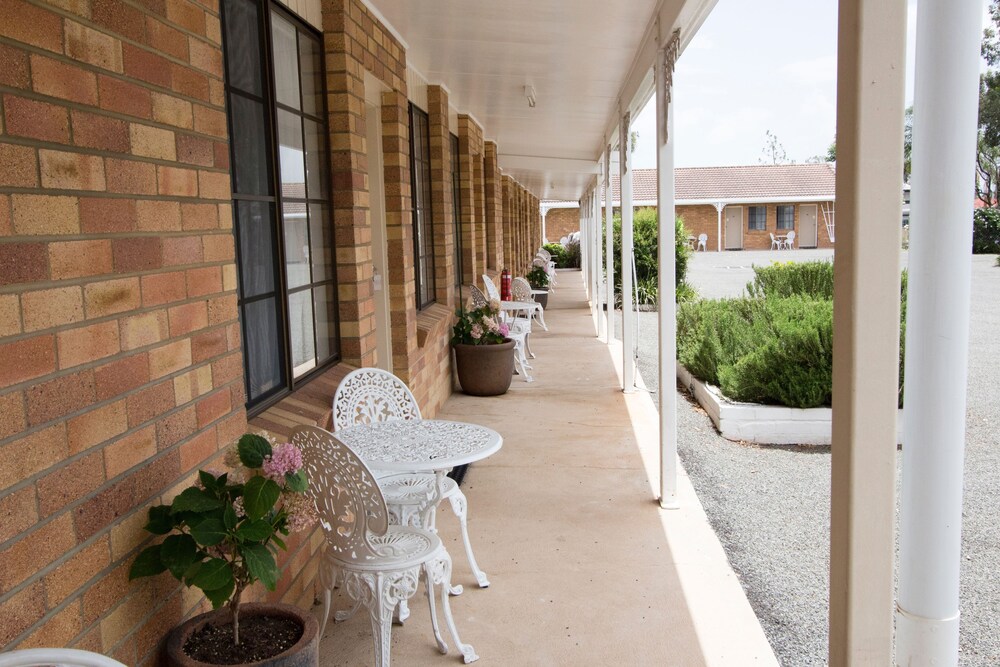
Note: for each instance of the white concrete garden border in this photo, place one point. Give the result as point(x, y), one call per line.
point(764, 424)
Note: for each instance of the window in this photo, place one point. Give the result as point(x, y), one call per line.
point(756, 217)
point(786, 217)
point(281, 197)
point(420, 175)
point(456, 198)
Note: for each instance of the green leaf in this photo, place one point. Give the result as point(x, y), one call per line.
point(209, 532)
point(261, 565)
point(178, 552)
point(277, 540)
point(296, 481)
point(220, 596)
point(160, 522)
point(259, 496)
point(253, 448)
point(147, 563)
point(208, 480)
point(229, 517)
point(214, 574)
point(254, 530)
point(194, 500)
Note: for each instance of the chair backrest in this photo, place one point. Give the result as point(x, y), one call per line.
point(540, 262)
point(702, 237)
point(491, 290)
point(372, 395)
point(520, 289)
point(772, 237)
point(56, 657)
point(791, 236)
point(478, 298)
point(544, 253)
point(348, 499)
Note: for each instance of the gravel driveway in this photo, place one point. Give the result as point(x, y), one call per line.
point(770, 505)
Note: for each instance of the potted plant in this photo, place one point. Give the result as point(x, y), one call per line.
point(538, 278)
point(484, 356)
point(222, 534)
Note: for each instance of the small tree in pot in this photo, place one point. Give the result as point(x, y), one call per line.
point(538, 278)
point(484, 356)
point(223, 533)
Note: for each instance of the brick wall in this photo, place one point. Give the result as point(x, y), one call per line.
point(560, 222)
point(121, 368)
point(703, 219)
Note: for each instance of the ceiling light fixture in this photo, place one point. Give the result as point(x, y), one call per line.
point(529, 92)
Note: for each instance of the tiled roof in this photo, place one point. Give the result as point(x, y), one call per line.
point(738, 183)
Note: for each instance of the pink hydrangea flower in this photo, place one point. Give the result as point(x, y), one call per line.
point(301, 511)
point(504, 329)
point(477, 331)
point(284, 458)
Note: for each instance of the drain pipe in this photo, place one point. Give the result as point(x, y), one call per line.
point(937, 339)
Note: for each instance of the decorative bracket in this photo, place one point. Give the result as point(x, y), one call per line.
point(670, 52)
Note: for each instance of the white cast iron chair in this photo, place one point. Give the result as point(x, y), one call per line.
point(520, 325)
point(775, 243)
point(519, 336)
point(380, 564)
point(521, 291)
point(56, 657)
point(790, 240)
point(550, 264)
point(373, 395)
point(703, 242)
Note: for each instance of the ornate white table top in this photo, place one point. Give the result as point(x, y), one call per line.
point(420, 445)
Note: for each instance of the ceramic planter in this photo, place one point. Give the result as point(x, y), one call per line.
point(485, 370)
point(543, 299)
point(305, 653)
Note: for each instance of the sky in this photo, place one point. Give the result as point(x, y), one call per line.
point(756, 66)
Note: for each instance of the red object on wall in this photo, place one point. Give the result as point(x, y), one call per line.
point(505, 281)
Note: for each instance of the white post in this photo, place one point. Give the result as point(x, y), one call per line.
point(945, 110)
point(667, 273)
point(584, 235)
point(628, 312)
point(545, 212)
point(609, 247)
point(718, 207)
point(595, 216)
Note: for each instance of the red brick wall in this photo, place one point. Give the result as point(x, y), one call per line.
point(703, 219)
point(560, 222)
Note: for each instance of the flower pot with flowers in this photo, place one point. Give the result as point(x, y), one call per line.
point(222, 535)
point(538, 278)
point(484, 356)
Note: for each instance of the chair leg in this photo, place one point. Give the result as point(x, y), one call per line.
point(441, 568)
point(460, 506)
point(429, 585)
point(381, 594)
point(327, 594)
point(527, 346)
point(541, 318)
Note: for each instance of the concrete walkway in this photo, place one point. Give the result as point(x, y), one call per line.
point(585, 568)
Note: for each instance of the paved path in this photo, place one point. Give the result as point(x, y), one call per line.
point(770, 505)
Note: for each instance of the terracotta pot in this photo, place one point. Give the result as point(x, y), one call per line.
point(305, 653)
point(485, 370)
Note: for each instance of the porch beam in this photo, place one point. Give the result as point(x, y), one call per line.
point(609, 248)
point(628, 312)
point(937, 340)
point(870, 86)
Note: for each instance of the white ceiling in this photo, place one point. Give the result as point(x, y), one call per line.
point(576, 54)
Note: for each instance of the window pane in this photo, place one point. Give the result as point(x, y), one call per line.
point(255, 230)
point(286, 61)
point(296, 244)
point(300, 326)
point(321, 243)
point(326, 328)
point(249, 146)
point(262, 347)
point(242, 41)
point(315, 162)
point(311, 63)
point(293, 171)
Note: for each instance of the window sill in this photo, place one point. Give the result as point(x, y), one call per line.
point(309, 405)
point(432, 321)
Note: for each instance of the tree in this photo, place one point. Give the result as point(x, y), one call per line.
point(831, 150)
point(988, 146)
point(907, 142)
point(773, 152)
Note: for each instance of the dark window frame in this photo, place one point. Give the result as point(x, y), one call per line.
point(456, 199)
point(286, 382)
point(422, 210)
point(755, 222)
point(789, 210)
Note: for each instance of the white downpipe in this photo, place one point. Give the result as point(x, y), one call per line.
point(609, 249)
point(666, 289)
point(719, 206)
point(628, 260)
point(937, 338)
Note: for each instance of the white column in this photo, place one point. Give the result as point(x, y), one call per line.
point(870, 86)
point(584, 235)
point(628, 312)
point(667, 273)
point(595, 216)
point(719, 206)
point(545, 212)
point(945, 108)
point(609, 248)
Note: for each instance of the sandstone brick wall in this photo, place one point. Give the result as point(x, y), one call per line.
point(703, 219)
point(560, 222)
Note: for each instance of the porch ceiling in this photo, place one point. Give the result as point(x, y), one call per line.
point(578, 56)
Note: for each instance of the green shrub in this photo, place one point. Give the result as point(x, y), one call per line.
point(571, 256)
point(811, 279)
point(558, 253)
point(986, 231)
point(645, 247)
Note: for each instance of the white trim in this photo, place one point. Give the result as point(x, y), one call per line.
point(370, 6)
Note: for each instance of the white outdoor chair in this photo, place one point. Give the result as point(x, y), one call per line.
point(521, 291)
point(790, 240)
point(703, 242)
point(56, 657)
point(775, 243)
point(516, 324)
point(550, 265)
point(519, 336)
point(373, 395)
point(380, 564)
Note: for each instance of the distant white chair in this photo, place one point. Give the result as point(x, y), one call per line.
point(521, 291)
point(789, 242)
point(56, 657)
point(519, 336)
point(775, 243)
point(703, 242)
point(381, 564)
